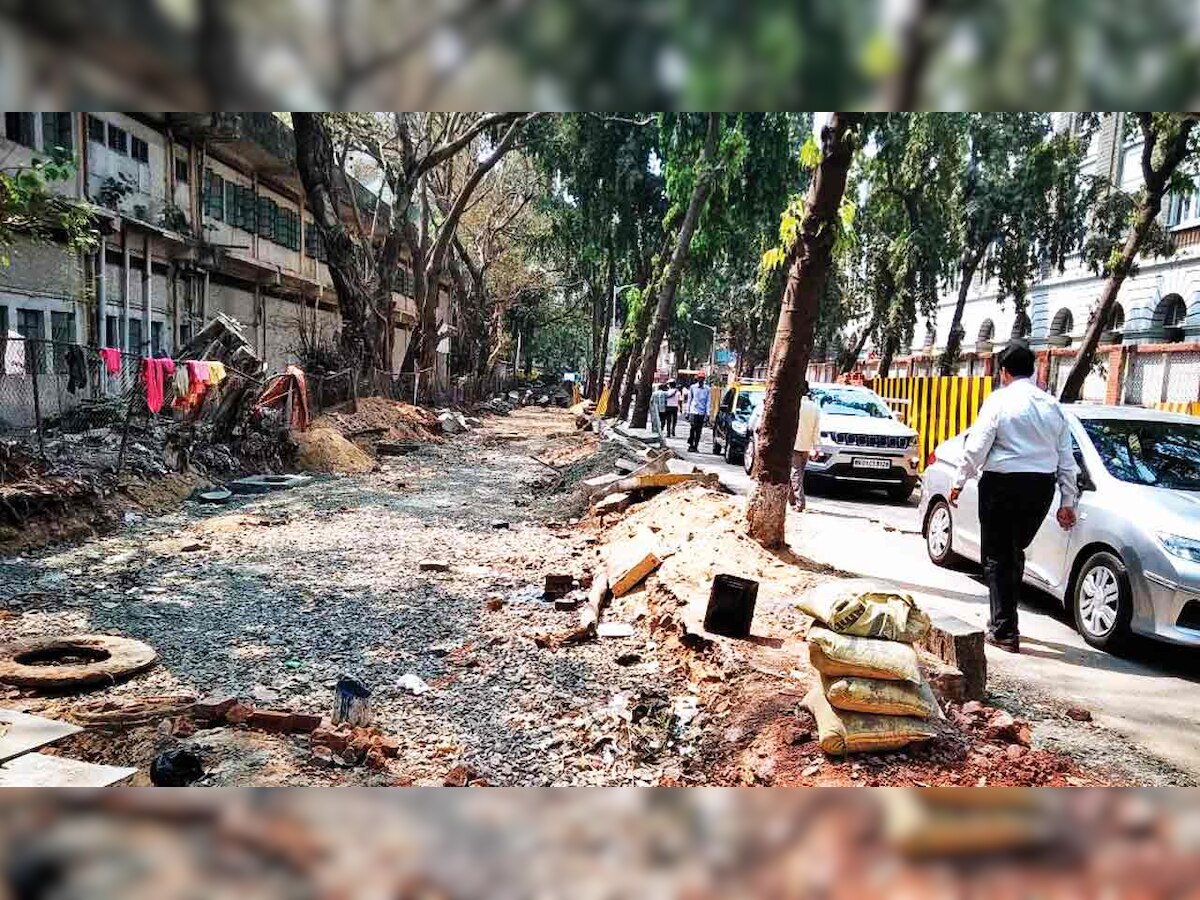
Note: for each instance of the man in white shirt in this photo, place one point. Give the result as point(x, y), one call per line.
point(808, 439)
point(672, 413)
point(1022, 445)
point(697, 412)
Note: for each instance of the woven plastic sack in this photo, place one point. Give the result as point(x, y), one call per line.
point(860, 657)
point(866, 613)
point(841, 732)
point(884, 698)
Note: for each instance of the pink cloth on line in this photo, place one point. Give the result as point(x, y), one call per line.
point(154, 373)
point(112, 359)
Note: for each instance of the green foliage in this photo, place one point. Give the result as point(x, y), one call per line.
point(30, 209)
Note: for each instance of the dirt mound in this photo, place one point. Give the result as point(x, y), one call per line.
point(381, 419)
point(325, 450)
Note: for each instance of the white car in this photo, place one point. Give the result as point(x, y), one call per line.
point(862, 442)
point(1131, 564)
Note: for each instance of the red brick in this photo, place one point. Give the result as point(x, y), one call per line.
point(270, 720)
point(376, 760)
point(239, 713)
point(304, 722)
point(332, 738)
point(212, 709)
point(389, 747)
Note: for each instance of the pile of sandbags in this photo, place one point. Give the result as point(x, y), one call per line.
point(872, 695)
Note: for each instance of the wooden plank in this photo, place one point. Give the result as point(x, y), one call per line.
point(631, 561)
point(22, 733)
point(41, 770)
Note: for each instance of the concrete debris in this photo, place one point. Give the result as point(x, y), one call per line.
point(631, 561)
point(433, 565)
point(614, 630)
point(412, 683)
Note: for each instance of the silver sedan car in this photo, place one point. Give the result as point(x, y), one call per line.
point(1132, 563)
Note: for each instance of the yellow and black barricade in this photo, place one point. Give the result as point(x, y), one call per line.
point(936, 407)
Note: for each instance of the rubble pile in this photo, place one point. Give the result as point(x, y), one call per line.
point(375, 419)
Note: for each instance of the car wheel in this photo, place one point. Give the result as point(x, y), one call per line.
point(1103, 601)
point(748, 454)
point(731, 455)
point(939, 534)
point(900, 492)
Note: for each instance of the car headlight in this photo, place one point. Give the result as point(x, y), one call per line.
point(1177, 545)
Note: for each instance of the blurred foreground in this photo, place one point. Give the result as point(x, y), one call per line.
point(615, 843)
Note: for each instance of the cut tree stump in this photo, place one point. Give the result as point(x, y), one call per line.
point(960, 645)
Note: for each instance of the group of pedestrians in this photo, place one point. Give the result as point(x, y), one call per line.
point(670, 400)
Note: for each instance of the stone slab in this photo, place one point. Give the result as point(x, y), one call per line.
point(41, 770)
point(21, 733)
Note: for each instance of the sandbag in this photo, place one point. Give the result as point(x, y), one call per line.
point(860, 657)
point(847, 732)
point(892, 615)
point(884, 698)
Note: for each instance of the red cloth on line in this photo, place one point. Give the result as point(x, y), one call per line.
point(154, 373)
point(276, 393)
point(112, 359)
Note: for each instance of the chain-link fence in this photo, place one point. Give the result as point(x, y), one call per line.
point(55, 385)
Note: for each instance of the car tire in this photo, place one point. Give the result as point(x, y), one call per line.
point(1102, 601)
point(731, 456)
point(939, 534)
point(748, 454)
point(900, 492)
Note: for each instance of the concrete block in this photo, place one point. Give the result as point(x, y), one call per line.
point(959, 644)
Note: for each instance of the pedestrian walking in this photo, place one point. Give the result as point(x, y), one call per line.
point(1020, 448)
point(697, 412)
point(672, 414)
point(808, 440)
point(658, 411)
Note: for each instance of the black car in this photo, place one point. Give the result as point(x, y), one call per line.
point(730, 432)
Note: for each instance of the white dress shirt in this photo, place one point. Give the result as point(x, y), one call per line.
point(808, 434)
point(1021, 428)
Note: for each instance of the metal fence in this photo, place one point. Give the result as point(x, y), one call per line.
point(55, 385)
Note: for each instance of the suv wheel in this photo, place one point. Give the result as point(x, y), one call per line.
point(731, 455)
point(749, 453)
point(1102, 601)
point(939, 534)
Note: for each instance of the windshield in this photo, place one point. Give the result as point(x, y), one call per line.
point(748, 401)
point(850, 402)
point(1162, 454)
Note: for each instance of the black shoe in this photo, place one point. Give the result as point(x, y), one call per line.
point(1009, 645)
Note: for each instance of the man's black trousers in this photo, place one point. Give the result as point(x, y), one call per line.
point(697, 431)
point(1012, 506)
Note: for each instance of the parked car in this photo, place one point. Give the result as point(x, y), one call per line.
point(862, 443)
point(1132, 562)
point(738, 404)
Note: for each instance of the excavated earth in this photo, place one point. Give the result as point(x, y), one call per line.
point(431, 564)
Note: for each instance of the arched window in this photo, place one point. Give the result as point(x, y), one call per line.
point(1021, 326)
point(1170, 312)
point(986, 331)
point(1062, 323)
point(1116, 319)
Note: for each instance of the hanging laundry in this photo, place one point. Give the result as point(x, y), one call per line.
point(77, 376)
point(154, 371)
point(183, 384)
point(216, 373)
point(112, 359)
point(279, 388)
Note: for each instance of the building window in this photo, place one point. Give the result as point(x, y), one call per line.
point(181, 171)
point(214, 195)
point(118, 140)
point(31, 326)
point(986, 331)
point(18, 127)
point(266, 217)
point(1021, 326)
point(288, 229)
point(135, 337)
point(156, 339)
point(95, 129)
point(314, 245)
point(62, 332)
point(57, 131)
point(1116, 319)
point(1170, 313)
point(1063, 323)
point(112, 331)
point(139, 149)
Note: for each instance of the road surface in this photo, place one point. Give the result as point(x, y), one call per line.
point(1145, 708)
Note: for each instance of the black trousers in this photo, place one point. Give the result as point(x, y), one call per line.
point(1012, 506)
point(669, 419)
point(697, 430)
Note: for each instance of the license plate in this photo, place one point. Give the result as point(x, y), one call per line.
point(868, 463)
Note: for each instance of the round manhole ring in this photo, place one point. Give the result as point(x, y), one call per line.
point(69, 661)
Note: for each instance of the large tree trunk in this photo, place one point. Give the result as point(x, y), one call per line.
point(347, 260)
point(665, 309)
point(970, 262)
point(607, 307)
point(850, 356)
point(808, 268)
point(630, 382)
point(615, 382)
point(1156, 181)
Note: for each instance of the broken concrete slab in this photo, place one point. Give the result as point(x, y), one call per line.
point(959, 644)
point(597, 484)
point(614, 630)
point(613, 503)
point(662, 480)
point(22, 733)
point(628, 466)
point(41, 770)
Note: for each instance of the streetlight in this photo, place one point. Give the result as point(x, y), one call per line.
point(712, 349)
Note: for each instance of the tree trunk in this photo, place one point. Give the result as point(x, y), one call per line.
point(665, 309)
point(631, 371)
point(808, 268)
point(885, 358)
point(607, 307)
point(970, 262)
point(615, 382)
point(315, 161)
point(1156, 181)
point(850, 357)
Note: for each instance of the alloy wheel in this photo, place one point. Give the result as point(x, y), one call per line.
point(1099, 600)
point(938, 535)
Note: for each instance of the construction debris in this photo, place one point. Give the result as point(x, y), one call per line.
point(630, 562)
